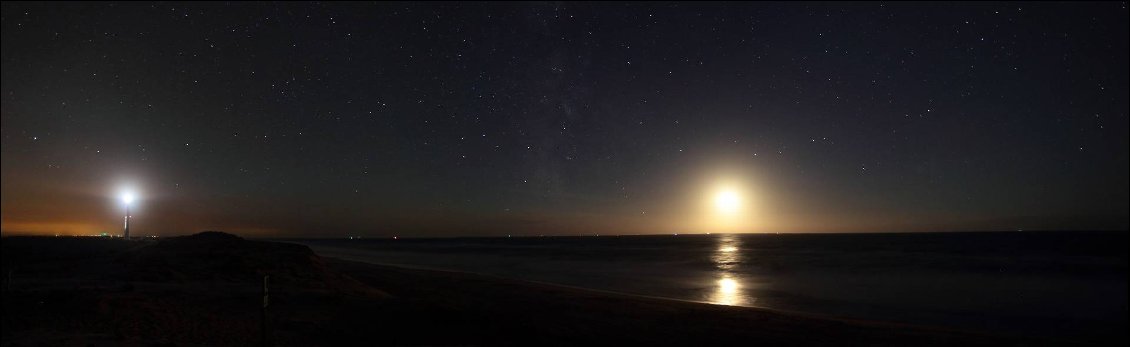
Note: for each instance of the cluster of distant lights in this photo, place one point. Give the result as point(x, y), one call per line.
point(358, 237)
point(104, 235)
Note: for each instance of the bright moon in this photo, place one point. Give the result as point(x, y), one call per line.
point(727, 202)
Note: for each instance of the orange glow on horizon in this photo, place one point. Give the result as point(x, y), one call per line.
point(55, 228)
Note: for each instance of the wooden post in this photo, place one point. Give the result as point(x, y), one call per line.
point(263, 312)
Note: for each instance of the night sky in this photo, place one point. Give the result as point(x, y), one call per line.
point(532, 119)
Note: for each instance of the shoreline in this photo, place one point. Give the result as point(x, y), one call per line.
point(631, 295)
point(863, 331)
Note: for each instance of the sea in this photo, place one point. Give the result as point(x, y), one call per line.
point(1069, 285)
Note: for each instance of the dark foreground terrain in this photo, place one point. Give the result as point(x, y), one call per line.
point(205, 289)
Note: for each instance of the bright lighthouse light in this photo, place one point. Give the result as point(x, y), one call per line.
point(127, 196)
point(727, 202)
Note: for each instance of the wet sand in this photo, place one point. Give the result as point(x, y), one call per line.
point(504, 311)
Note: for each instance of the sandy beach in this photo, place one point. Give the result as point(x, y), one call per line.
point(205, 289)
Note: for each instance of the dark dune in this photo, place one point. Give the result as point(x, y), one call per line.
point(205, 290)
point(199, 289)
point(221, 257)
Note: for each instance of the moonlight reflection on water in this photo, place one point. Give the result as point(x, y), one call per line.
point(728, 286)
